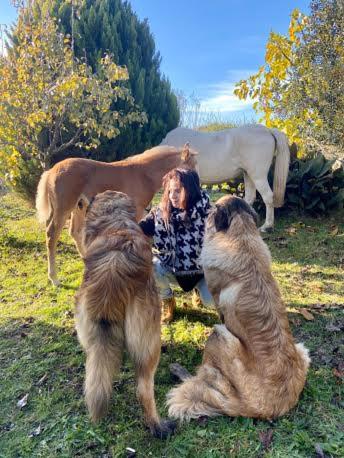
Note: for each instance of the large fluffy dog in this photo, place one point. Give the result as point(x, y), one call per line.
point(118, 305)
point(251, 366)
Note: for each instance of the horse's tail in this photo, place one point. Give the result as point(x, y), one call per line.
point(281, 166)
point(43, 205)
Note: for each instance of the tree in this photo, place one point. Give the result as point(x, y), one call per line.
point(111, 26)
point(299, 89)
point(50, 102)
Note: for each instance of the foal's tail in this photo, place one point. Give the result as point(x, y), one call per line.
point(281, 166)
point(43, 205)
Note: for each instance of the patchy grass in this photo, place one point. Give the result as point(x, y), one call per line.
point(40, 355)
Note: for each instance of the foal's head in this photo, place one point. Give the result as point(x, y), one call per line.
point(188, 157)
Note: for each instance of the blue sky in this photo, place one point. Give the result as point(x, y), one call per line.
point(208, 45)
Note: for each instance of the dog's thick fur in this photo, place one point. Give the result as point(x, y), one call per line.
point(117, 305)
point(251, 366)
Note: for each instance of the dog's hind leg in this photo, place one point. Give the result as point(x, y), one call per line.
point(142, 334)
point(209, 393)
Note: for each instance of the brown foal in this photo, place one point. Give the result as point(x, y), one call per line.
point(140, 177)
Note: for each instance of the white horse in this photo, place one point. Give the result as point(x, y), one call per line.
point(225, 154)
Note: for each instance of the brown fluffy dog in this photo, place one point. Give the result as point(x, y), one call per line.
point(251, 365)
point(118, 305)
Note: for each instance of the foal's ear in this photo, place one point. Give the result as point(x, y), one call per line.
point(83, 202)
point(185, 156)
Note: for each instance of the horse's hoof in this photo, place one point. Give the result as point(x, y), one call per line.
point(266, 229)
point(164, 429)
point(55, 282)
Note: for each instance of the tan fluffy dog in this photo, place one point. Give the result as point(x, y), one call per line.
point(251, 365)
point(118, 305)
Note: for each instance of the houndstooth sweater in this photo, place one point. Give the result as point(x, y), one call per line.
point(179, 245)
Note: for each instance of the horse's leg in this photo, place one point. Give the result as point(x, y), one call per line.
point(265, 191)
point(250, 189)
point(77, 221)
point(53, 231)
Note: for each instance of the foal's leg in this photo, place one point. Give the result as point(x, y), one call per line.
point(250, 189)
point(265, 191)
point(142, 334)
point(54, 227)
point(77, 221)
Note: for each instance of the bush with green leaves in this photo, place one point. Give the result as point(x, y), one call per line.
point(316, 185)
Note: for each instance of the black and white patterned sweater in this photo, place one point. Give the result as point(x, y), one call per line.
point(179, 245)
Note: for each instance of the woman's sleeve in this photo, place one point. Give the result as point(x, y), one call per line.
point(207, 206)
point(147, 224)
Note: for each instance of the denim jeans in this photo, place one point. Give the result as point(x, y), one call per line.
point(165, 278)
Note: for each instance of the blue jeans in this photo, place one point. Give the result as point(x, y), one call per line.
point(165, 278)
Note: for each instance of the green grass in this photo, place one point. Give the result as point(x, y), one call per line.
point(37, 339)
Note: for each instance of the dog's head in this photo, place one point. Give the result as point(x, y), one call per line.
point(226, 209)
point(104, 211)
point(108, 203)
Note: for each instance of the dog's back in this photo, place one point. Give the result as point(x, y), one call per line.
point(117, 305)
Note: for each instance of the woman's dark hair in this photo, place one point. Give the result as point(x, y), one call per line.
point(189, 180)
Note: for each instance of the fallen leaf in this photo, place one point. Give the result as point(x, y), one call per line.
point(319, 451)
point(36, 432)
point(42, 379)
point(130, 452)
point(311, 229)
point(337, 373)
point(265, 438)
point(334, 230)
point(23, 401)
point(291, 230)
point(332, 328)
point(306, 314)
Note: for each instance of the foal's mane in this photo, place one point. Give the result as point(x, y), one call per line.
point(158, 152)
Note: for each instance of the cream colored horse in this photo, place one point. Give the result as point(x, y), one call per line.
point(139, 176)
point(249, 150)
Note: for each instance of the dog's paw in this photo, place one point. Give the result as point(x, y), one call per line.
point(164, 429)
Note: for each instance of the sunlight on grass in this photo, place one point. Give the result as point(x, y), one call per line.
point(38, 342)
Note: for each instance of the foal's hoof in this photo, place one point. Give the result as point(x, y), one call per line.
point(165, 429)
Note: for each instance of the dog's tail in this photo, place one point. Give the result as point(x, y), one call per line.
point(281, 166)
point(43, 205)
point(189, 400)
point(202, 395)
point(104, 356)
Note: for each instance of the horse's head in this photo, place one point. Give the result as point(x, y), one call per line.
point(188, 157)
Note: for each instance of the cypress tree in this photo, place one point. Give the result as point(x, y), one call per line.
point(111, 26)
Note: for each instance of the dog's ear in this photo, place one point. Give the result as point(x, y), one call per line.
point(243, 206)
point(254, 215)
point(221, 218)
point(83, 202)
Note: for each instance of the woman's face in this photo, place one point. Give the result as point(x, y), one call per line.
point(176, 193)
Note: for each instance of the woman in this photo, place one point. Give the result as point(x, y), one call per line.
point(177, 227)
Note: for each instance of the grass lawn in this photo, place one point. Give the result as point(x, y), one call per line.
point(41, 357)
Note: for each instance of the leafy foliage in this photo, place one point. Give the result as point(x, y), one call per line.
point(300, 88)
point(315, 185)
point(51, 101)
point(41, 357)
point(102, 26)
